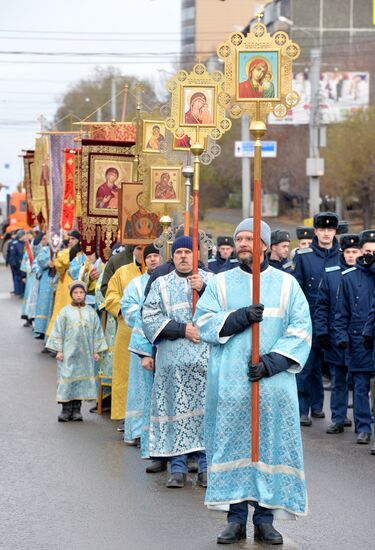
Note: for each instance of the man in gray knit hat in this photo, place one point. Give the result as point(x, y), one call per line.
point(275, 485)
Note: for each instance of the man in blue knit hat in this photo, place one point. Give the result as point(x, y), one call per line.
point(178, 395)
point(275, 485)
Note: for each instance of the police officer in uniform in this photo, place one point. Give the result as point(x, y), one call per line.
point(305, 235)
point(353, 308)
point(309, 267)
point(278, 256)
point(368, 341)
point(14, 258)
point(335, 357)
point(224, 259)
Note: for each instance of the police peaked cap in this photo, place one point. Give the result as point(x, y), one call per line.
point(279, 236)
point(342, 228)
point(326, 220)
point(349, 241)
point(305, 232)
point(224, 240)
point(367, 236)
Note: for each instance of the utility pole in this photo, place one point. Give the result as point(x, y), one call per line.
point(113, 102)
point(314, 164)
point(246, 170)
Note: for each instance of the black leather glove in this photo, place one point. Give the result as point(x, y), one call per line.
point(324, 341)
point(74, 251)
point(257, 371)
point(368, 342)
point(254, 313)
point(343, 345)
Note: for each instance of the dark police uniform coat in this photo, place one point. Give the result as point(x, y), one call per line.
point(218, 264)
point(309, 269)
point(353, 307)
point(325, 310)
point(283, 265)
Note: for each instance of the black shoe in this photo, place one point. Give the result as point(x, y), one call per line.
point(121, 427)
point(233, 532)
point(305, 420)
point(335, 429)
point(132, 442)
point(156, 466)
point(348, 423)
point(372, 452)
point(192, 466)
point(76, 411)
point(45, 350)
point(176, 481)
point(363, 438)
point(66, 412)
point(318, 414)
point(202, 479)
point(265, 532)
point(39, 337)
point(28, 323)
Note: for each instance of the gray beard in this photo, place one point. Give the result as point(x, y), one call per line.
point(247, 261)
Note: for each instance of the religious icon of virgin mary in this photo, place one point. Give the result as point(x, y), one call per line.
point(259, 80)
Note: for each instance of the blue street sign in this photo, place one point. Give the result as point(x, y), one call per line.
point(246, 149)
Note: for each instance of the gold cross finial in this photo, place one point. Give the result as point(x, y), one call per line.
point(259, 16)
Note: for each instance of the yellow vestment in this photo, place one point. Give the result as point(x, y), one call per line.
point(121, 354)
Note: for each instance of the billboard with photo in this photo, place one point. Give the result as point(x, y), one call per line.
point(341, 94)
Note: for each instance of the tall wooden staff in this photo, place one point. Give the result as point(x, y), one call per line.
point(187, 172)
point(257, 129)
point(197, 149)
point(256, 97)
point(183, 122)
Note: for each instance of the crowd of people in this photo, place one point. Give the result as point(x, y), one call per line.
point(168, 353)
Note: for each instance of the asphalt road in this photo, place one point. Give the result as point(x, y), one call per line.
point(76, 486)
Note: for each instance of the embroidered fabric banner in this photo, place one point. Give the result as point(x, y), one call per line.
point(67, 210)
point(40, 179)
point(57, 144)
point(28, 163)
point(121, 131)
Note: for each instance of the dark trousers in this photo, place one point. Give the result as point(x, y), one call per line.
point(310, 384)
point(339, 393)
point(361, 402)
point(179, 463)
point(19, 285)
point(238, 513)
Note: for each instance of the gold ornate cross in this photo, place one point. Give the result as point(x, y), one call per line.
point(259, 16)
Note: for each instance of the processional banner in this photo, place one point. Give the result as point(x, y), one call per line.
point(57, 143)
point(28, 163)
point(40, 180)
point(67, 210)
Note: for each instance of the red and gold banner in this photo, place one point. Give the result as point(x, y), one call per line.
point(67, 210)
point(119, 131)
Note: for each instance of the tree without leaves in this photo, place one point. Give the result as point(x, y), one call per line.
point(350, 161)
point(75, 105)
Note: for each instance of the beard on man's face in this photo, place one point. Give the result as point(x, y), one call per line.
point(247, 260)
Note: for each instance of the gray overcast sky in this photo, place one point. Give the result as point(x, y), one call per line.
point(30, 87)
